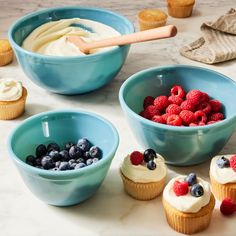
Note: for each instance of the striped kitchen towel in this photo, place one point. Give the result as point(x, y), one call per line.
point(218, 43)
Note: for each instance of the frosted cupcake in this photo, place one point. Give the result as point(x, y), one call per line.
point(143, 174)
point(223, 177)
point(180, 8)
point(6, 52)
point(188, 203)
point(12, 99)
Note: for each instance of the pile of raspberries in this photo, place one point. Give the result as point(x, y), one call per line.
point(195, 108)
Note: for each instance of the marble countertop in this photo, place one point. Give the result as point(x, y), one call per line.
point(110, 211)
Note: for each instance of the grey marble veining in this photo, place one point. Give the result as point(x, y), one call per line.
point(22, 214)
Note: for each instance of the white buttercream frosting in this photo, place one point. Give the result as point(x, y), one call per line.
point(141, 174)
point(222, 175)
point(51, 38)
point(187, 203)
point(10, 90)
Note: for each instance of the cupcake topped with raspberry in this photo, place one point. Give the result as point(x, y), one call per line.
point(181, 108)
point(143, 174)
point(223, 176)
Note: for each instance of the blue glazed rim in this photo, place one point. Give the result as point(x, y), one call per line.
point(66, 173)
point(71, 58)
point(164, 127)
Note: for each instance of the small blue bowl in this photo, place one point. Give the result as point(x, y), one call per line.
point(70, 75)
point(181, 146)
point(63, 188)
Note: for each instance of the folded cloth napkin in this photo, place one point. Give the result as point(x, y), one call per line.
point(218, 43)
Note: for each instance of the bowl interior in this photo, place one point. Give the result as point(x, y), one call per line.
point(27, 24)
point(61, 127)
point(158, 81)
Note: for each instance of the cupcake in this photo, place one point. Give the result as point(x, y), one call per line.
point(143, 174)
point(180, 8)
point(188, 203)
point(151, 18)
point(12, 99)
point(6, 52)
point(223, 177)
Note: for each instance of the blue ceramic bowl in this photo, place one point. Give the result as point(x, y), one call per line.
point(63, 188)
point(181, 146)
point(70, 75)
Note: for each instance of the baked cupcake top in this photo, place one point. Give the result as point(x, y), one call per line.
point(152, 15)
point(181, 3)
point(187, 193)
point(10, 89)
point(144, 167)
point(5, 46)
point(223, 169)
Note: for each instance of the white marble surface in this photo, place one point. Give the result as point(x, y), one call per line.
point(110, 211)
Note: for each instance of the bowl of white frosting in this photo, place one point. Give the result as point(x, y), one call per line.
point(46, 56)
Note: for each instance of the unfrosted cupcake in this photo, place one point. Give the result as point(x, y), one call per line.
point(143, 174)
point(223, 177)
point(188, 204)
point(180, 8)
point(151, 18)
point(6, 52)
point(12, 99)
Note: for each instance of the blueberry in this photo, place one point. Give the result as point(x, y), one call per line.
point(151, 165)
point(71, 161)
point(95, 160)
point(73, 165)
point(80, 165)
point(47, 163)
point(80, 160)
point(57, 164)
point(41, 150)
point(94, 151)
point(84, 144)
point(89, 162)
point(30, 160)
point(197, 190)
point(86, 155)
point(65, 155)
point(55, 169)
point(68, 146)
point(223, 162)
point(75, 152)
point(64, 165)
point(55, 155)
point(53, 147)
point(38, 161)
point(149, 154)
point(191, 179)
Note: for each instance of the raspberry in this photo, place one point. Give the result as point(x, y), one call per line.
point(173, 109)
point(187, 117)
point(161, 102)
point(187, 105)
point(192, 124)
point(177, 91)
point(148, 101)
point(151, 111)
point(165, 116)
point(205, 107)
point(216, 116)
point(180, 188)
point(227, 207)
point(215, 105)
point(200, 116)
point(175, 100)
point(205, 97)
point(174, 120)
point(136, 158)
point(194, 96)
point(158, 119)
point(232, 162)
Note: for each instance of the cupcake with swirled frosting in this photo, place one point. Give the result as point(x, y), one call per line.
point(12, 98)
point(223, 176)
point(188, 203)
point(143, 174)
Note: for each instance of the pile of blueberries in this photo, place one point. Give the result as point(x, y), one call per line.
point(73, 156)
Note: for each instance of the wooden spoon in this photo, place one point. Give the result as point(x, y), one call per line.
point(142, 36)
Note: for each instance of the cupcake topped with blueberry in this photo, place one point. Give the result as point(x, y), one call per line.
point(223, 176)
point(188, 203)
point(143, 174)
